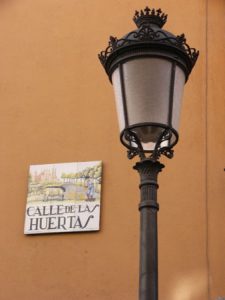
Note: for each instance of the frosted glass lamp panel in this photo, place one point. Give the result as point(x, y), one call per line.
point(118, 98)
point(148, 146)
point(177, 98)
point(148, 136)
point(164, 144)
point(147, 87)
point(148, 133)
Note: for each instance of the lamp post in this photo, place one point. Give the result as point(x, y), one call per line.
point(148, 68)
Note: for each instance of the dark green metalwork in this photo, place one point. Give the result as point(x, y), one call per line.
point(149, 40)
point(148, 278)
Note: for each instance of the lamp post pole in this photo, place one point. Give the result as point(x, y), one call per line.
point(148, 276)
point(148, 68)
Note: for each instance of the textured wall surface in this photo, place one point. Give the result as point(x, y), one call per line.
point(57, 105)
point(216, 147)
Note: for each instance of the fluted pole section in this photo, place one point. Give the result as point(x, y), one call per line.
point(148, 278)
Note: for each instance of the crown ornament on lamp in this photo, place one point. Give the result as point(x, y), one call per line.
point(149, 16)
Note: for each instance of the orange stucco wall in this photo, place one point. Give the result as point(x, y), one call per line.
point(58, 106)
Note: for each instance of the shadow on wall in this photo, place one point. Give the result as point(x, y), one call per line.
point(191, 286)
point(5, 3)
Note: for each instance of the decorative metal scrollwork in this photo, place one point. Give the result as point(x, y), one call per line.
point(131, 137)
point(147, 34)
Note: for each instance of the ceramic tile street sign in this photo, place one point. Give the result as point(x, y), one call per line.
point(63, 197)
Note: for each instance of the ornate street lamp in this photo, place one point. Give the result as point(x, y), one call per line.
point(148, 68)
